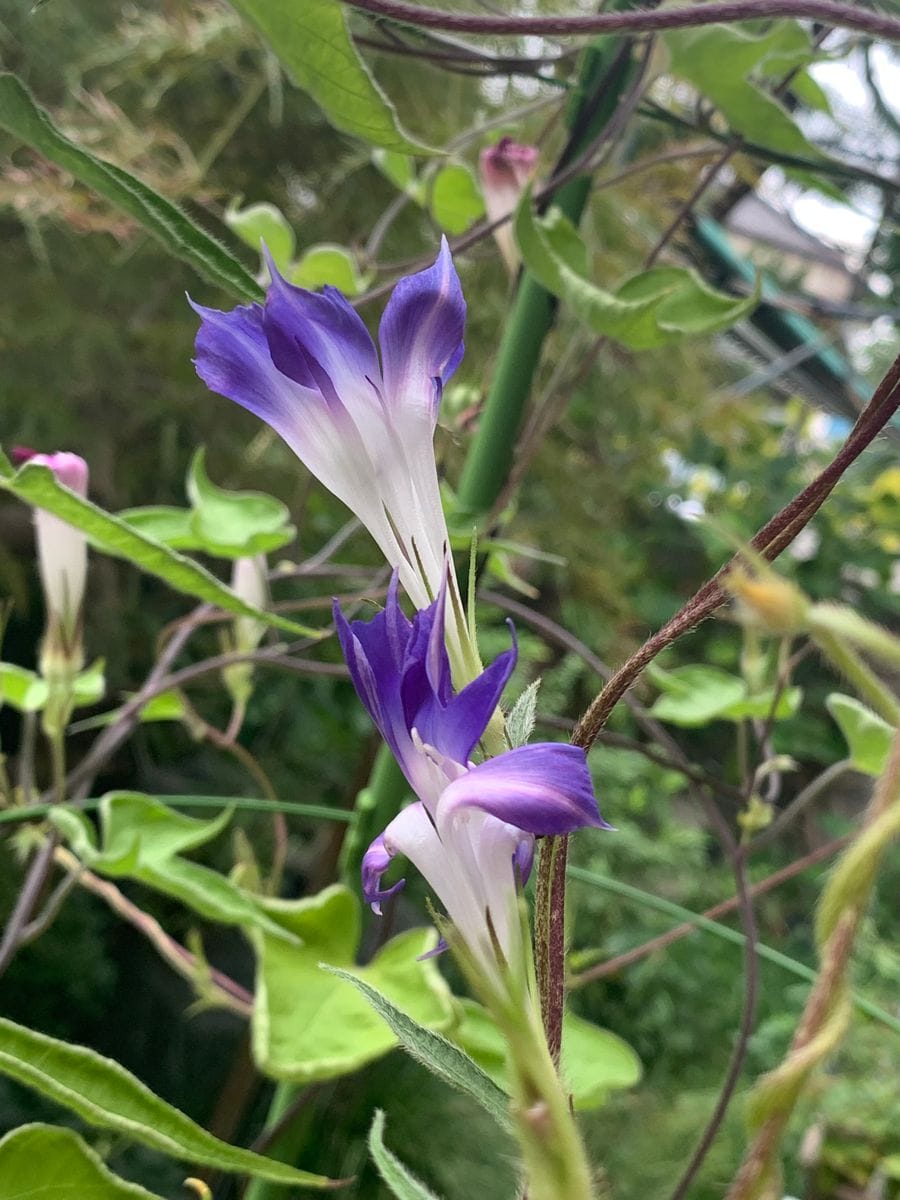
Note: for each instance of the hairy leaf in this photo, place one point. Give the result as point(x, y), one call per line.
point(401, 1182)
point(103, 1093)
point(521, 717)
point(24, 119)
point(594, 1061)
point(435, 1052)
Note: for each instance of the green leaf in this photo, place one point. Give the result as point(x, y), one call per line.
point(21, 116)
point(398, 168)
point(759, 705)
point(38, 486)
point(309, 1025)
point(163, 523)
point(456, 201)
point(234, 524)
point(142, 839)
point(23, 689)
point(328, 264)
point(435, 1052)
point(868, 736)
point(648, 310)
point(717, 59)
point(521, 717)
point(595, 1062)
point(44, 1162)
point(314, 46)
point(263, 223)
point(695, 694)
point(104, 1094)
point(26, 691)
point(401, 1182)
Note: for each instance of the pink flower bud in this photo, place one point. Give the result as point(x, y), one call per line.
point(62, 553)
point(506, 169)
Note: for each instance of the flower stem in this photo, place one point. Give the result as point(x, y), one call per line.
point(870, 688)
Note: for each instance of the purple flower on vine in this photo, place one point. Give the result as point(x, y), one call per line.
point(362, 422)
point(471, 832)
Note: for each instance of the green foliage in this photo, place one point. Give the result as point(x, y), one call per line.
point(55, 1164)
point(310, 1024)
point(144, 840)
point(695, 694)
point(26, 691)
point(314, 46)
point(263, 223)
point(328, 264)
point(521, 717)
point(650, 309)
point(594, 1061)
point(222, 523)
point(106, 1095)
point(38, 486)
point(401, 1182)
point(455, 198)
point(717, 60)
point(868, 736)
point(20, 116)
point(440, 1056)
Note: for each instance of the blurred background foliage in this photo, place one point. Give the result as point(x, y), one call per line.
point(97, 337)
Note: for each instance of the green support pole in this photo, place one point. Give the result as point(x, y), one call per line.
point(607, 69)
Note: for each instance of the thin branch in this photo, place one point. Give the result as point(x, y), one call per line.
point(775, 536)
point(830, 12)
point(738, 857)
point(612, 966)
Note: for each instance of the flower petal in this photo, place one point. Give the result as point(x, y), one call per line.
point(543, 789)
point(376, 861)
point(456, 729)
point(302, 325)
point(421, 336)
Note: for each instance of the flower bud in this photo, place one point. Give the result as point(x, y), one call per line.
point(248, 581)
point(62, 561)
point(769, 601)
point(506, 169)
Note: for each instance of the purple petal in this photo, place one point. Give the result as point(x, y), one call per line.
point(421, 335)
point(544, 789)
point(233, 359)
point(376, 861)
point(461, 724)
point(311, 334)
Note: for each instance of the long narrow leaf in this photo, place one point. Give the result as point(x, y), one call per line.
point(401, 1182)
point(103, 1093)
point(433, 1051)
point(313, 43)
point(38, 486)
point(21, 116)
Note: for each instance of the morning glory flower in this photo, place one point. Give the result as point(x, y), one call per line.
point(471, 832)
point(361, 421)
point(62, 560)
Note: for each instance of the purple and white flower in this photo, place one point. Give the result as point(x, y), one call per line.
point(471, 832)
point(62, 554)
point(362, 422)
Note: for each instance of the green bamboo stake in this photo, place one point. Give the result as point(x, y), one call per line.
point(490, 455)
